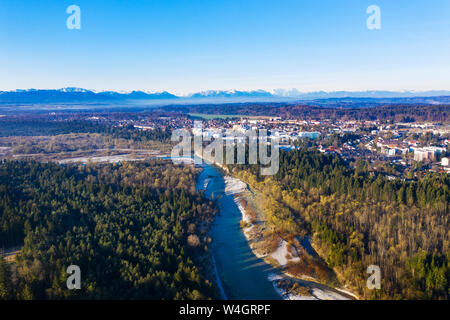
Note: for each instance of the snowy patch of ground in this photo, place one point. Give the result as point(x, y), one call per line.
point(233, 185)
point(327, 295)
point(290, 296)
point(274, 278)
point(110, 159)
point(245, 217)
point(347, 293)
point(182, 160)
point(316, 292)
point(281, 253)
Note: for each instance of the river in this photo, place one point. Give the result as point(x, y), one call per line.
point(242, 275)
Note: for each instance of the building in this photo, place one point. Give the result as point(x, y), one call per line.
point(391, 152)
point(310, 135)
point(427, 153)
point(144, 128)
point(445, 162)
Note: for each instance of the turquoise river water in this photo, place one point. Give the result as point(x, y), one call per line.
point(241, 275)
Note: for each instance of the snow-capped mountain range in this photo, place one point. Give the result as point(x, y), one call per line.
point(77, 95)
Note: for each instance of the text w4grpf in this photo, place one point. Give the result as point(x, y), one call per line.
point(246, 309)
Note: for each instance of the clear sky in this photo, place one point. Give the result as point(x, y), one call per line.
point(186, 46)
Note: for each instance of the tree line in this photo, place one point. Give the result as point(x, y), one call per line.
point(38, 127)
point(353, 111)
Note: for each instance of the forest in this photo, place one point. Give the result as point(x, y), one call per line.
point(45, 127)
point(388, 112)
point(359, 218)
point(136, 230)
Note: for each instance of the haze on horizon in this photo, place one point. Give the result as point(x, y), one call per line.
point(190, 46)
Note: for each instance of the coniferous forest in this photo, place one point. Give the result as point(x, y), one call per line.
point(136, 230)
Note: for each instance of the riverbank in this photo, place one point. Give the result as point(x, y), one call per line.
point(240, 275)
point(285, 256)
point(282, 257)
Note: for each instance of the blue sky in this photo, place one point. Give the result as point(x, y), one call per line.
point(186, 46)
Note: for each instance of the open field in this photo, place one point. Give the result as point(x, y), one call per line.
point(79, 148)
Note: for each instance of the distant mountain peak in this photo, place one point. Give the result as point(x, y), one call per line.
point(75, 89)
point(312, 95)
point(231, 94)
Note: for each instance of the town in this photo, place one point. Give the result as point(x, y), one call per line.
point(398, 150)
point(405, 150)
